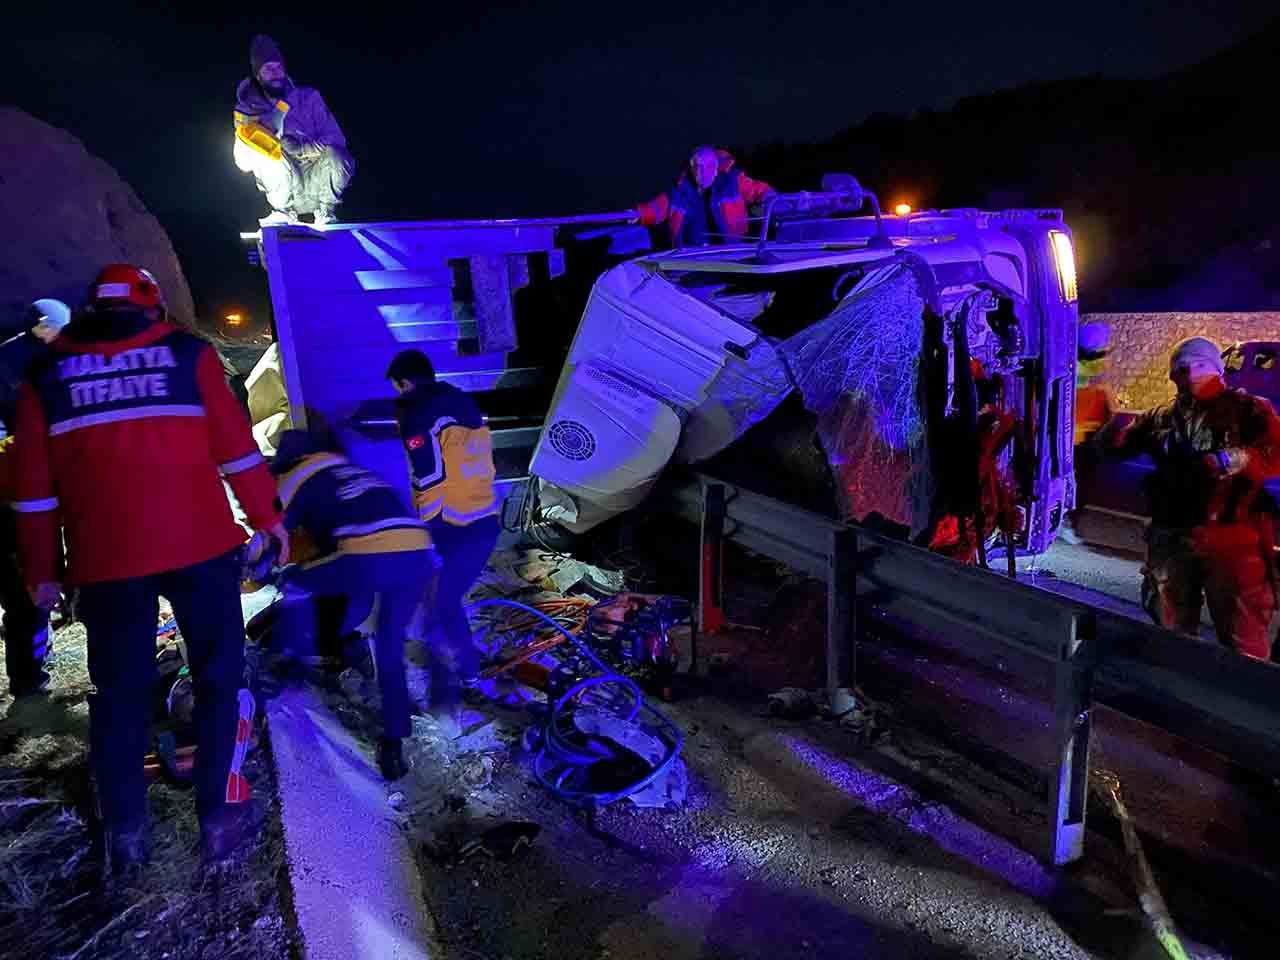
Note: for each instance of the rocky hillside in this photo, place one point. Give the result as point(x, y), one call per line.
point(66, 213)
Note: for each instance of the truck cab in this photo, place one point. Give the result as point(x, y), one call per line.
point(857, 364)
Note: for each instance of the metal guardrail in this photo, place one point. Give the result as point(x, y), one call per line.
point(1209, 695)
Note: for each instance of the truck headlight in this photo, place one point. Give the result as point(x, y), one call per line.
point(1065, 260)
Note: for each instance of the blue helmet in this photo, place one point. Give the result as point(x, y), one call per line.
point(52, 313)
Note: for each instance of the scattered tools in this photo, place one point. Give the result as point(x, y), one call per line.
point(503, 842)
point(570, 612)
point(526, 653)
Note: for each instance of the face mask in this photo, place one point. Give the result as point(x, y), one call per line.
point(1206, 388)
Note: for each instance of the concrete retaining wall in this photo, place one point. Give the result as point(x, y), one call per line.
point(1138, 368)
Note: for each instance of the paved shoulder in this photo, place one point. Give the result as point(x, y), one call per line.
point(357, 890)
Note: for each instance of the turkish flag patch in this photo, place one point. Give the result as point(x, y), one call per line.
point(417, 443)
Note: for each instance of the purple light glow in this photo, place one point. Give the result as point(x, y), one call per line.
point(950, 832)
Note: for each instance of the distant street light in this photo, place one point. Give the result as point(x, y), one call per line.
point(902, 209)
point(235, 319)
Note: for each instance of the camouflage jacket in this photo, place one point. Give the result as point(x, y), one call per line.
point(1186, 439)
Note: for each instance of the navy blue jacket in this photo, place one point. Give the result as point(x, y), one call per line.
point(346, 509)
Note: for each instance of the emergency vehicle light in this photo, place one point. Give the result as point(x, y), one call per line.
point(1065, 260)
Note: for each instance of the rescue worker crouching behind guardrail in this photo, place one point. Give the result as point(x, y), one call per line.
point(373, 550)
point(125, 431)
point(1212, 533)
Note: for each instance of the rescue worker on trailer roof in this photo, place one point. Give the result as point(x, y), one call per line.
point(287, 137)
point(708, 201)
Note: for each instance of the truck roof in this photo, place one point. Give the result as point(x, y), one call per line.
point(939, 238)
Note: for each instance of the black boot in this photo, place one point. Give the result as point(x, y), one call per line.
point(224, 832)
point(391, 759)
point(127, 852)
point(30, 687)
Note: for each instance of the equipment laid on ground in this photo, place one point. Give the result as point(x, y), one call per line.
point(636, 629)
point(592, 749)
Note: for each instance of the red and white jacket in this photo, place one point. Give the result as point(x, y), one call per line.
point(124, 443)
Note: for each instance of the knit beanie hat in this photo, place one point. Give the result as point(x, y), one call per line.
point(1095, 338)
point(263, 50)
point(1196, 348)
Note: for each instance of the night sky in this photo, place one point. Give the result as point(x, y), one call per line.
point(477, 110)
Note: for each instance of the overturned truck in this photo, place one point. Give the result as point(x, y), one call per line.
point(914, 372)
point(911, 372)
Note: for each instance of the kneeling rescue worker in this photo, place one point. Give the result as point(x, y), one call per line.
point(373, 550)
point(1212, 531)
point(125, 432)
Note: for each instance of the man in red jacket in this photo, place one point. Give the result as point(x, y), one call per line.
point(708, 202)
point(125, 431)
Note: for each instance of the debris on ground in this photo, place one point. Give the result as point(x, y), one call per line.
point(551, 572)
point(503, 842)
point(853, 710)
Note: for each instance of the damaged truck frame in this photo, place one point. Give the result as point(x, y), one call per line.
point(866, 398)
point(914, 371)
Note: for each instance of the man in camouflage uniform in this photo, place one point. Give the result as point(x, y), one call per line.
point(1212, 532)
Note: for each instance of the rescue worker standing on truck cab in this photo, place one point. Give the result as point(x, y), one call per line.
point(1212, 531)
point(125, 432)
point(372, 550)
point(26, 626)
point(451, 469)
point(708, 203)
point(287, 138)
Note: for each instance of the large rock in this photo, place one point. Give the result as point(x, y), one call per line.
point(65, 213)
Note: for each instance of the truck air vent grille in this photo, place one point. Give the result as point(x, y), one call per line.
point(572, 440)
point(613, 383)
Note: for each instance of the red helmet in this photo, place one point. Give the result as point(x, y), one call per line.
point(124, 284)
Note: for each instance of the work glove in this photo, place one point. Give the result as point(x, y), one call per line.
point(281, 536)
point(267, 550)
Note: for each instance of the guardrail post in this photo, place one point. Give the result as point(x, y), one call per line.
point(711, 560)
point(1072, 720)
point(842, 622)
